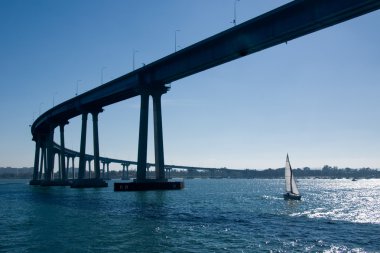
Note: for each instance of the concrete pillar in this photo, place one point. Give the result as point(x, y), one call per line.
point(96, 143)
point(73, 169)
point(82, 159)
point(43, 160)
point(62, 154)
point(36, 158)
point(67, 166)
point(52, 170)
point(158, 135)
point(168, 173)
point(147, 171)
point(212, 173)
point(127, 171)
point(59, 166)
point(50, 154)
point(108, 170)
point(103, 168)
point(45, 168)
point(43, 153)
point(143, 137)
point(89, 168)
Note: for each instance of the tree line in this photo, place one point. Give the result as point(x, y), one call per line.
point(306, 172)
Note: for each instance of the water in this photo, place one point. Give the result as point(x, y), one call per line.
point(226, 215)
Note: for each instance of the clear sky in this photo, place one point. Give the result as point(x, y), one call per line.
point(316, 98)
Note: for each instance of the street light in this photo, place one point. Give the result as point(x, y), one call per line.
point(234, 21)
point(175, 40)
point(53, 97)
point(76, 93)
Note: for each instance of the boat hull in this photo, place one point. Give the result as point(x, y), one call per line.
point(289, 196)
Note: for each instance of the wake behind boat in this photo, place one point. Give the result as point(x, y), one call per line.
point(292, 192)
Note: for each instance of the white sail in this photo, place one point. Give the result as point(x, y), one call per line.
point(294, 186)
point(290, 183)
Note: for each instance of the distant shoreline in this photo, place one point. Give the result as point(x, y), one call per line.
point(326, 172)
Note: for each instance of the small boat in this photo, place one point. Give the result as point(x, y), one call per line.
point(292, 192)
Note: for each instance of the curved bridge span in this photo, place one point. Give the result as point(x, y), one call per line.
point(71, 155)
point(280, 25)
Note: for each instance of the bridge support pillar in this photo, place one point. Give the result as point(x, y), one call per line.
point(168, 173)
point(96, 143)
point(82, 159)
point(125, 175)
point(67, 166)
point(59, 166)
point(50, 155)
point(158, 135)
point(143, 137)
point(62, 154)
point(37, 158)
point(212, 173)
point(43, 159)
point(156, 94)
point(108, 170)
point(73, 167)
point(104, 163)
point(127, 171)
point(89, 168)
point(147, 171)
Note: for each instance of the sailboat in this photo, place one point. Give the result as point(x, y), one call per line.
point(292, 192)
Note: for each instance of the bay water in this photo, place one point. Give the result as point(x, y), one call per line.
point(208, 215)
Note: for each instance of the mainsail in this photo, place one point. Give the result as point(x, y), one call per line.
point(290, 183)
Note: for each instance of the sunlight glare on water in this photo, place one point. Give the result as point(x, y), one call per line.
point(343, 199)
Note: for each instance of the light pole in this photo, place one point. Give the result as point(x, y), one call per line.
point(133, 58)
point(234, 21)
point(53, 97)
point(76, 93)
point(175, 40)
point(101, 80)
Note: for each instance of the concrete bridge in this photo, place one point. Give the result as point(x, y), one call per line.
point(288, 22)
point(67, 170)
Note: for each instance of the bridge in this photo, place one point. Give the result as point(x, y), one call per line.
point(72, 174)
point(288, 22)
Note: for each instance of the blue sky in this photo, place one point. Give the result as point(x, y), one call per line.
point(315, 98)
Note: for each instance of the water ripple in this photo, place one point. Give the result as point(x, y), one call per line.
point(207, 216)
